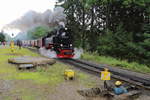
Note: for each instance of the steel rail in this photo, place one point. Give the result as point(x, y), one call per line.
point(96, 69)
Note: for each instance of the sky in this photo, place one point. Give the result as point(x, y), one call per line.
point(13, 9)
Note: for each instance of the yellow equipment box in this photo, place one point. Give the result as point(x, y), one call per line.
point(69, 74)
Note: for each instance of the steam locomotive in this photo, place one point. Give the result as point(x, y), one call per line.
point(59, 40)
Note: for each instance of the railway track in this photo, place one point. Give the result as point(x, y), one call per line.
point(138, 79)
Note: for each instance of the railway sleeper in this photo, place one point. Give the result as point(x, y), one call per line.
point(144, 81)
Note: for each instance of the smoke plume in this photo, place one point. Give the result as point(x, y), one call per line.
point(33, 19)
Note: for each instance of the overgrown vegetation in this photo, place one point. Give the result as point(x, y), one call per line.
point(115, 62)
point(117, 28)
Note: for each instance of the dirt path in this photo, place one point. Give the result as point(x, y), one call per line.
point(27, 90)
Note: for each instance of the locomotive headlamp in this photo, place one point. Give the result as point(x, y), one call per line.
point(71, 45)
point(61, 45)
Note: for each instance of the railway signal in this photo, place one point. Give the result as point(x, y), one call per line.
point(105, 75)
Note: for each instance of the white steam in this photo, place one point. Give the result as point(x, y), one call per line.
point(52, 54)
point(33, 19)
point(47, 53)
point(48, 18)
point(78, 52)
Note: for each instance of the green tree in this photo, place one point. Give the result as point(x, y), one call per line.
point(145, 44)
point(38, 32)
point(96, 26)
point(2, 37)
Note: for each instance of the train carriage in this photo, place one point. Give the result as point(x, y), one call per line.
point(39, 43)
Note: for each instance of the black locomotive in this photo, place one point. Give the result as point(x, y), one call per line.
point(60, 40)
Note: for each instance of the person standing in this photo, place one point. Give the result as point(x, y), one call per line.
point(12, 46)
point(19, 43)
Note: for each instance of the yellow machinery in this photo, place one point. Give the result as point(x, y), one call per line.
point(69, 74)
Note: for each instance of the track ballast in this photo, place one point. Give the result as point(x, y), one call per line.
point(135, 78)
point(139, 79)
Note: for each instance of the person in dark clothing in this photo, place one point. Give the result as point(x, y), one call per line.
point(19, 43)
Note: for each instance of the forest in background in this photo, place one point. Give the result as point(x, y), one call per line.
point(2, 37)
point(117, 28)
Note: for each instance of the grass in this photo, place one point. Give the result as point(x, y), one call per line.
point(86, 80)
point(115, 62)
point(5, 54)
point(43, 75)
point(48, 76)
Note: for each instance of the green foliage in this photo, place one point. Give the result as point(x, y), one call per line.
point(111, 27)
point(120, 44)
point(2, 37)
point(145, 44)
point(38, 32)
point(89, 3)
point(115, 62)
point(114, 44)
